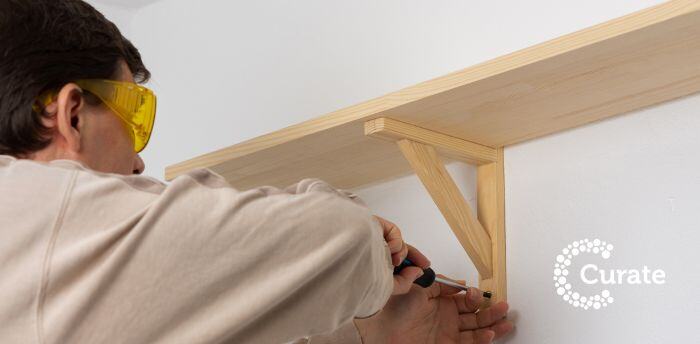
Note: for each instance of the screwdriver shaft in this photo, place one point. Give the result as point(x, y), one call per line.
point(486, 294)
point(451, 284)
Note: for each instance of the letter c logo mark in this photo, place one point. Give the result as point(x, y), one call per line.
point(561, 272)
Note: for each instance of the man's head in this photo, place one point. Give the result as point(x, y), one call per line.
point(45, 46)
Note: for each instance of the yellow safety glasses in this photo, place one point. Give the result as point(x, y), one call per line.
point(134, 104)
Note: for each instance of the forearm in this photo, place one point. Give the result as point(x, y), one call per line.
point(311, 260)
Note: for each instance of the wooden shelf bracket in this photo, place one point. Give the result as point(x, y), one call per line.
point(481, 236)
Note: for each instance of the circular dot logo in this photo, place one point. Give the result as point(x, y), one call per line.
point(561, 273)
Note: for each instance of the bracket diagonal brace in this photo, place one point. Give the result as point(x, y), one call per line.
point(449, 199)
point(485, 245)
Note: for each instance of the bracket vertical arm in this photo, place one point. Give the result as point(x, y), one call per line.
point(490, 195)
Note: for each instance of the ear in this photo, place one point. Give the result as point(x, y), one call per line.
point(69, 103)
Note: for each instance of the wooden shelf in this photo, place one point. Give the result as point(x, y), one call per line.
point(626, 64)
point(619, 66)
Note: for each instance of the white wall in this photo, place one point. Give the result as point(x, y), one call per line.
point(226, 71)
point(633, 181)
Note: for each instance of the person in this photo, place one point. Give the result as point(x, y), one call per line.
point(93, 252)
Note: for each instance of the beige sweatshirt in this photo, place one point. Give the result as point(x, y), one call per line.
point(87, 257)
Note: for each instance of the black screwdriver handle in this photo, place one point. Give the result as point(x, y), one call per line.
point(425, 280)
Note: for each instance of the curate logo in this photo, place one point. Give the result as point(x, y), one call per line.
point(590, 274)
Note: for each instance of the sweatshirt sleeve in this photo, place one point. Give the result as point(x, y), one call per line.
point(204, 263)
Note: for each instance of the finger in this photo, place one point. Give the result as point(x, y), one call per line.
point(417, 257)
point(393, 238)
point(403, 253)
point(481, 336)
point(485, 317)
point(392, 234)
point(435, 290)
point(470, 301)
point(502, 327)
point(400, 255)
point(404, 279)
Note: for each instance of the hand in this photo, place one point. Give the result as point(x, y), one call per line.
point(438, 314)
point(399, 251)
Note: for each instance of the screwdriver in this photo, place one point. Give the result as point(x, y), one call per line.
point(428, 277)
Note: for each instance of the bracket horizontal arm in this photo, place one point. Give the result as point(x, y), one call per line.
point(449, 146)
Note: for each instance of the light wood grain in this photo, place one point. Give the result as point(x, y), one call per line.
point(421, 147)
point(450, 146)
point(444, 192)
point(619, 66)
point(490, 195)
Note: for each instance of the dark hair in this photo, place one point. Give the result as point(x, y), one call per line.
point(45, 44)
